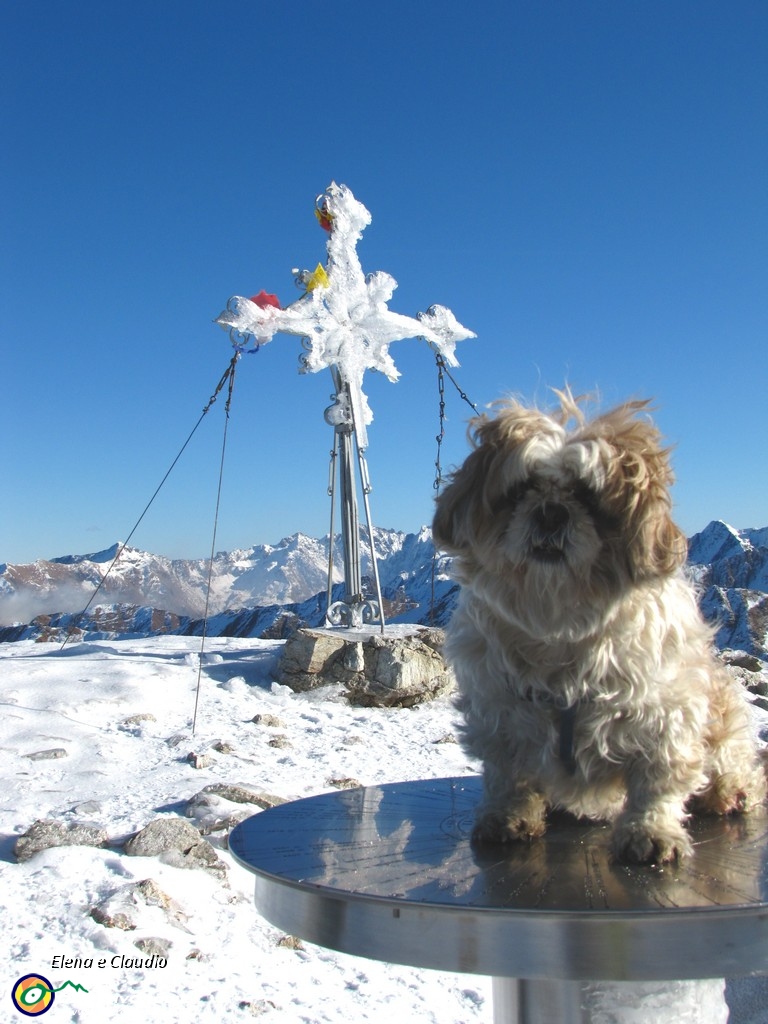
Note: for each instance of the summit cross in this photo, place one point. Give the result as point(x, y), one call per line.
point(347, 327)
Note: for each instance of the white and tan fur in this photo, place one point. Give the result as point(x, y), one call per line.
point(572, 596)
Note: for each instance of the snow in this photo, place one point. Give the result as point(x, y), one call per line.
point(226, 963)
point(122, 776)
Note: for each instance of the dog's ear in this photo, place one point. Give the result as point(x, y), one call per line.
point(637, 489)
point(660, 547)
point(460, 506)
point(467, 510)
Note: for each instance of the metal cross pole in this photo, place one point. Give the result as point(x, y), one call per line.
point(354, 609)
point(346, 327)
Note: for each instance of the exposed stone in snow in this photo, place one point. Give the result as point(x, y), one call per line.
point(43, 835)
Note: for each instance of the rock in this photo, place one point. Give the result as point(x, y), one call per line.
point(161, 835)
point(223, 747)
point(241, 794)
point(258, 1007)
point(270, 721)
point(345, 783)
point(353, 658)
point(213, 813)
point(225, 824)
point(432, 636)
point(121, 909)
point(399, 672)
point(200, 760)
point(377, 670)
point(201, 856)
point(281, 742)
point(44, 835)
point(741, 659)
point(154, 946)
point(87, 807)
point(750, 671)
point(48, 755)
point(283, 626)
point(137, 719)
point(113, 918)
point(154, 896)
point(177, 842)
point(309, 659)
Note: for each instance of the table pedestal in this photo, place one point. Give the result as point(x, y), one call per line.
point(390, 873)
point(520, 1001)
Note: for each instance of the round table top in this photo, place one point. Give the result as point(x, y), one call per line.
point(389, 872)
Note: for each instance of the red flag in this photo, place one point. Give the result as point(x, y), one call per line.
point(264, 299)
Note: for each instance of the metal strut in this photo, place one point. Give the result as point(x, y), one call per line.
point(354, 609)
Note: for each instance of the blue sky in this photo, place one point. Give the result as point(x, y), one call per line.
point(583, 183)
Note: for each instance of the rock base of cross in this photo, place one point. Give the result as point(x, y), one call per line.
point(399, 667)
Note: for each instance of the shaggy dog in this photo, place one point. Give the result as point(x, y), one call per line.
point(586, 674)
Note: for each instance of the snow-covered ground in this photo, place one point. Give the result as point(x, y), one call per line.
point(224, 963)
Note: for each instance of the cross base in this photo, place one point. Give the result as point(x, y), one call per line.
point(353, 614)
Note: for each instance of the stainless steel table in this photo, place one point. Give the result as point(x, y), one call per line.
point(389, 872)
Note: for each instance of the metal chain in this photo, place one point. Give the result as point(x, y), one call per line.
point(442, 373)
point(441, 433)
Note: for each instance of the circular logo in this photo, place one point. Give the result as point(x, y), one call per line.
point(32, 995)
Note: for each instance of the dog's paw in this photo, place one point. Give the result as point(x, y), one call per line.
point(729, 794)
point(639, 842)
point(714, 801)
point(498, 827)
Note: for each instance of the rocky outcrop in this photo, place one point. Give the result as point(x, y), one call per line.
point(730, 568)
point(376, 670)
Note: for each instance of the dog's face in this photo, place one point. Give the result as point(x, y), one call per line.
point(542, 518)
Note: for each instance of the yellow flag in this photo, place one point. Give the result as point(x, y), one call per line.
point(318, 277)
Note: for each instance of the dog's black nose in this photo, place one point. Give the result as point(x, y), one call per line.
point(552, 516)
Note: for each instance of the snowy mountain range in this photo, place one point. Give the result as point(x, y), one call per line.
point(266, 589)
point(144, 593)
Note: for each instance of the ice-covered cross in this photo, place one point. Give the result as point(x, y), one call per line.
point(344, 314)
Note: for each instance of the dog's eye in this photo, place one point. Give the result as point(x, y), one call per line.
point(591, 501)
point(587, 497)
point(516, 493)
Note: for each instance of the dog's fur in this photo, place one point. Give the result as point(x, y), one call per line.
point(572, 597)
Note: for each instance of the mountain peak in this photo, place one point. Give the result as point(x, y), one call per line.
point(716, 541)
point(107, 555)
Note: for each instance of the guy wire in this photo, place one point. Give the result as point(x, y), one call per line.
point(228, 373)
point(213, 539)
